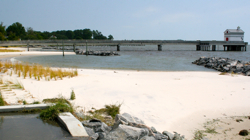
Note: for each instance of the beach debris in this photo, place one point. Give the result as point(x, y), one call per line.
point(239, 120)
point(97, 53)
point(225, 65)
point(126, 126)
point(243, 132)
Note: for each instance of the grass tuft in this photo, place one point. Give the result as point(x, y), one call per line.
point(2, 102)
point(72, 96)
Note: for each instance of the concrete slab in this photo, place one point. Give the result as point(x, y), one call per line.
point(74, 126)
point(14, 108)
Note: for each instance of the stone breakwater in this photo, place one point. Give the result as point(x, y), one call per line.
point(224, 65)
point(97, 53)
point(126, 127)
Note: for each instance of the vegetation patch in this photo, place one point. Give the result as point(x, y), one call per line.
point(2, 102)
point(35, 71)
point(52, 112)
point(101, 114)
point(72, 96)
point(7, 50)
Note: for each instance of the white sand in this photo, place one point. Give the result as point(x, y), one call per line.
point(172, 101)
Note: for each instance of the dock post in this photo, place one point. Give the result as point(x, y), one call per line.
point(118, 47)
point(57, 46)
point(159, 48)
point(86, 48)
point(63, 48)
point(213, 47)
point(28, 46)
point(74, 47)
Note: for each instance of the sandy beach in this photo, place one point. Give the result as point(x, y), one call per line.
point(171, 101)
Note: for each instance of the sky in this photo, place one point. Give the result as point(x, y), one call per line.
point(133, 19)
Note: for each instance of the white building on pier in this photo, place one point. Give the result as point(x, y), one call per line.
point(234, 34)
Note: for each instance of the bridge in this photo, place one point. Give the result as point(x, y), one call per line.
point(200, 45)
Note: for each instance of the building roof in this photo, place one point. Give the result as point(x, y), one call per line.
point(238, 30)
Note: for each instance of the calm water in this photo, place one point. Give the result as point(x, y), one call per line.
point(172, 58)
point(29, 127)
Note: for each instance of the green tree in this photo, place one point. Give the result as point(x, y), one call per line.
point(16, 29)
point(98, 35)
point(2, 32)
point(110, 37)
point(83, 34)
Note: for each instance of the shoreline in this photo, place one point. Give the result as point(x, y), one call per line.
point(178, 101)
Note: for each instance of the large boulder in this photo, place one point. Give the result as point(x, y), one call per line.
point(97, 125)
point(124, 132)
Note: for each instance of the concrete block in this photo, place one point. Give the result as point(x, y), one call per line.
point(14, 108)
point(74, 126)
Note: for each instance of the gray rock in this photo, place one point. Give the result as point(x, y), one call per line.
point(170, 135)
point(97, 125)
point(127, 119)
point(148, 138)
point(89, 131)
point(160, 136)
point(153, 129)
point(102, 136)
point(124, 132)
point(178, 136)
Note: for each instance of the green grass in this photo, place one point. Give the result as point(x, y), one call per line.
point(36, 102)
point(24, 102)
point(100, 114)
point(52, 112)
point(199, 135)
point(2, 102)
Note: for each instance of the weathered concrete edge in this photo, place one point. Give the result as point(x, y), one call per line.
point(73, 125)
point(14, 108)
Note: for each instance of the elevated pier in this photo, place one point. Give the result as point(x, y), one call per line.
point(200, 45)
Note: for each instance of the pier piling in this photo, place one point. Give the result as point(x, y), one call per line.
point(118, 47)
point(63, 48)
point(159, 47)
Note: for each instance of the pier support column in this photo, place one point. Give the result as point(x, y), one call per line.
point(213, 47)
point(74, 47)
point(118, 47)
point(63, 48)
point(28, 47)
point(87, 52)
point(159, 48)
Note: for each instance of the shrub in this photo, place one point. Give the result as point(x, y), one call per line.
point(2, 102)
point(52, 112)
point(72, 96)
point(112, 110)
point(24, 102)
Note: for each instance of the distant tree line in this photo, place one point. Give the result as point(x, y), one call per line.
point(16, 31)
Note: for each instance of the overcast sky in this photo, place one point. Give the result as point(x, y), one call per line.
point(133, 19)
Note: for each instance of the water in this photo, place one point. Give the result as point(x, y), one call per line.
point(172, 58)
point(20, 126)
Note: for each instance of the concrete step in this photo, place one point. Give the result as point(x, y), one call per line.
point(74, 126)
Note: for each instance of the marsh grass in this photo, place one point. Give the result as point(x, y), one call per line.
point(6, 50)
point(18, 85)
point(37, 71)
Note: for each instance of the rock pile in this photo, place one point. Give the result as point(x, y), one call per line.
point(98, 53)
point(224, 65)
point(126, 127)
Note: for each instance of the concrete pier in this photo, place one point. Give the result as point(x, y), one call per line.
point(200, 45)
